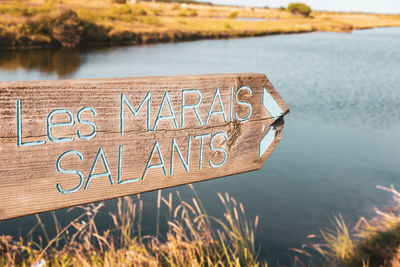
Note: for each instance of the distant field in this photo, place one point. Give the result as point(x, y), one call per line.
point(41, 23)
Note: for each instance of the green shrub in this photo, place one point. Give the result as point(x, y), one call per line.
point(157, 12)
point(19, 9)
point(62, 26)
point(192, 12)
point(119, 1)
point(299, 8)
point(66, 27)
point(93, 32)
point(233, 15)
point(139, 10)
point(182, 13)
point(125, 12)
point(154, 21)
point(176, 7)
point(189, 12)
point(122, 10)
point(41, 25)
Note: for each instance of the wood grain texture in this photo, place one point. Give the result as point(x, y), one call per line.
point(29, 175)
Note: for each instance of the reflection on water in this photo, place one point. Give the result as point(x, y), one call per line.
point(63, 62)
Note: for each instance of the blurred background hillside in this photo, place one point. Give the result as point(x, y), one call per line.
point(70, 23)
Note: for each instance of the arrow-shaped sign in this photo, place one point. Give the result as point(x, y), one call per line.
point(65, 143)
point(276, 112)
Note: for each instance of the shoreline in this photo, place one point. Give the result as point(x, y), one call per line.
point(152, 38)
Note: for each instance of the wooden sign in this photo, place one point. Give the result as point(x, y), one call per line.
point(69, 142)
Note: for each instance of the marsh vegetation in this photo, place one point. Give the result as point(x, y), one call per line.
point(193, 237)
point(37, 23)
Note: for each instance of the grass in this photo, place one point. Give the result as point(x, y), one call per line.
point(197, 239)
point(374, 242)
point(233, 15)
point(108, 23)
point(193, 238)
point(20, 9)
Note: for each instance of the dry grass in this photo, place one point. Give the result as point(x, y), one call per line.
point(193, 238)
point(165, 22)
point(374, 242)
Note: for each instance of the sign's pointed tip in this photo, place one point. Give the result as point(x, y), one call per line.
point(271, 105)
point(266, 141)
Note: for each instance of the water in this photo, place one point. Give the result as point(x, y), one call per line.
point(244, 18)
point(340, 140)
point(250, 19)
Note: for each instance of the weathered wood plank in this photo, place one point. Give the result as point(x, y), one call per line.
point(69, 142)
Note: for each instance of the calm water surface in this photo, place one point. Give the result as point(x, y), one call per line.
point(341, 139)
